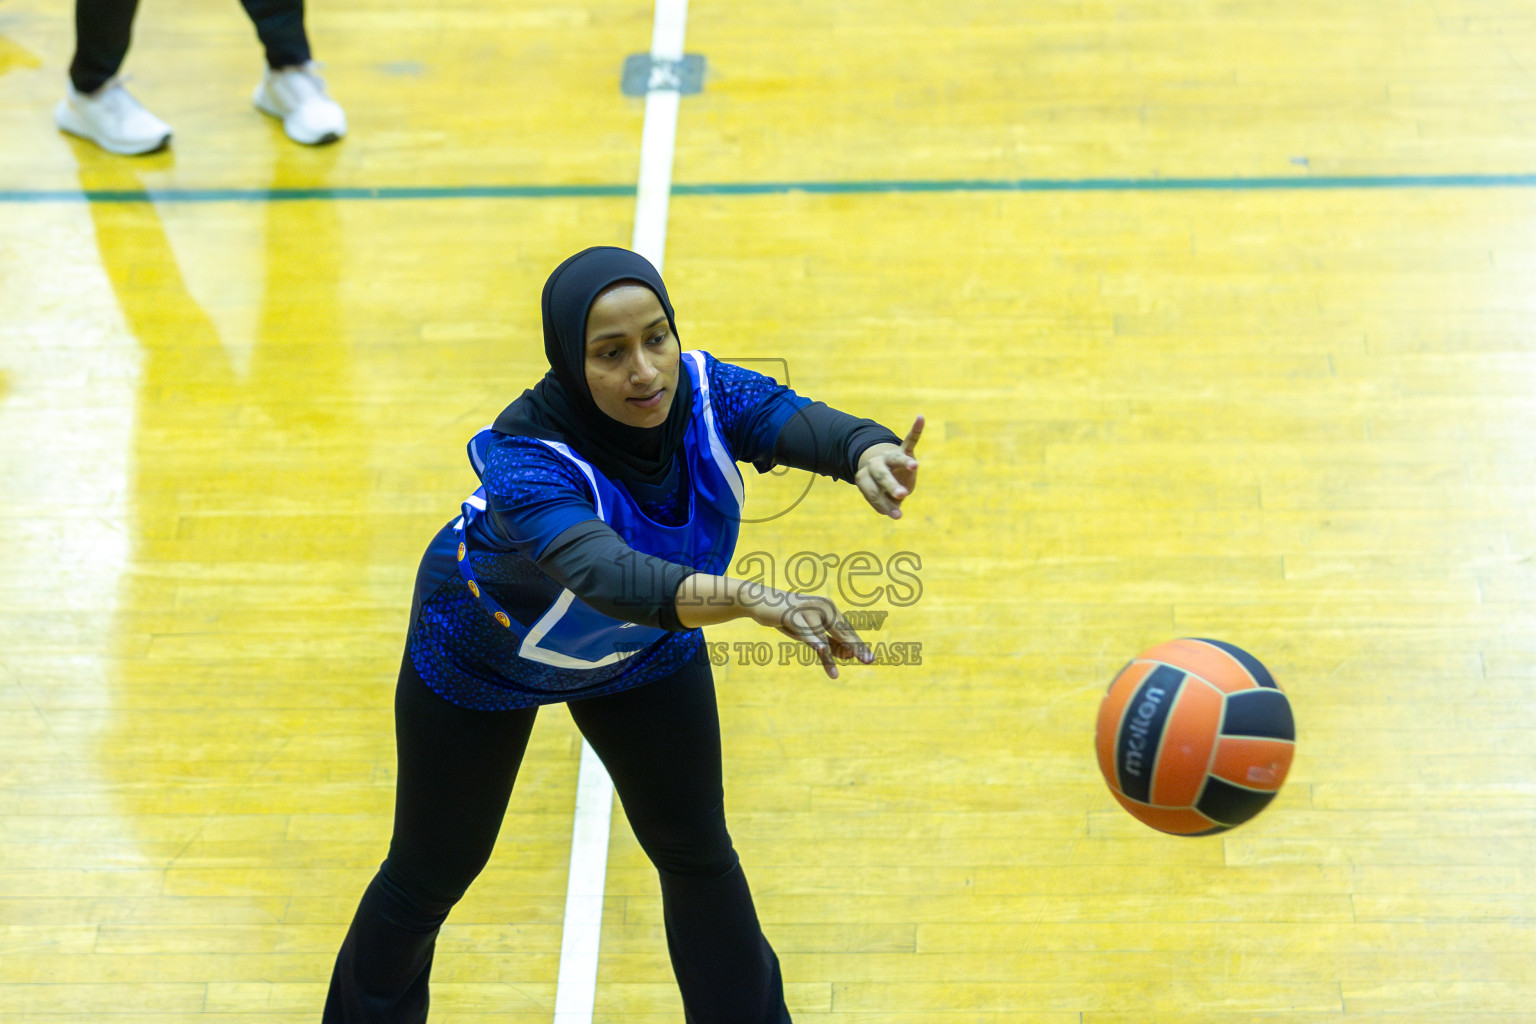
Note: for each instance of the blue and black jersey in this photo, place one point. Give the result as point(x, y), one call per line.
point(553, 646)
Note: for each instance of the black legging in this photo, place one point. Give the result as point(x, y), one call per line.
point(103, 29)
point(661, 745)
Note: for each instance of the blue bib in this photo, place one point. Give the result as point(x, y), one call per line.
point(571, 634)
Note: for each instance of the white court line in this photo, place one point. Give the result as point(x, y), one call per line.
point(576, 989)
point(658, 137)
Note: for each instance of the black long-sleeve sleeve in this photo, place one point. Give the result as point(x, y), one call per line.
point(823, 440)
point(594, 563)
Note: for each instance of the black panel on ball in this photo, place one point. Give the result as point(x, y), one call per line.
point(1261, 713)
point(1231, 805)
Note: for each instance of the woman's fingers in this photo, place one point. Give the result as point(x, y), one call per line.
point(876, 495)
point(910, 444)
point(847, 642)
point(827, 664)
point(885, 474)
point(817, 624)
point(886, 482)
point(820, 645)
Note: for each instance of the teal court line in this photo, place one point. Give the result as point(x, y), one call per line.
point(761, 188)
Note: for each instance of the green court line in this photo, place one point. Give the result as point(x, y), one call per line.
point(758, 188)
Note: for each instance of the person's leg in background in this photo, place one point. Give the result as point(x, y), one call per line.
point(100, 109)
point(292, 90)
point(97, 107)
point(103, 30)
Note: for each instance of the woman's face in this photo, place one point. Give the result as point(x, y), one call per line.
point(632, 356)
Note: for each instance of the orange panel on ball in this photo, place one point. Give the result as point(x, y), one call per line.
point(1184, 753)
point(1180, 821)
point(1205, 660)
point(1253, 763)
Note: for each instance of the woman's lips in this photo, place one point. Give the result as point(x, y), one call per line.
point(648, 403)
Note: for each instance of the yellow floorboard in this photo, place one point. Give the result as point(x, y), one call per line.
point(1295, 418)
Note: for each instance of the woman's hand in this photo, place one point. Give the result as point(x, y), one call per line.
point(704, 600)
point(888, 473)
point(815, 622)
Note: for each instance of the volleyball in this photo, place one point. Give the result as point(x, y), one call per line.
point(1195, 737)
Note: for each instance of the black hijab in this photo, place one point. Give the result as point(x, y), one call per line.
point(560, 407)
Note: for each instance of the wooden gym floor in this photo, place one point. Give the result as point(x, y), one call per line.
point(1224, 319)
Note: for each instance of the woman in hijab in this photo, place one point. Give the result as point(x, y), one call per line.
point(581, 572)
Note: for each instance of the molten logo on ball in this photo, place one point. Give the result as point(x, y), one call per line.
point(1148, 721)
point(1195, 737)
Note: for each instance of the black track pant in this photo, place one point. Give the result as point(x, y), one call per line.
point(661, 745)
point(103, 29)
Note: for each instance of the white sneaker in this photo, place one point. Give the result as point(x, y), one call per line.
point(113, 119)
point(296, 96)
